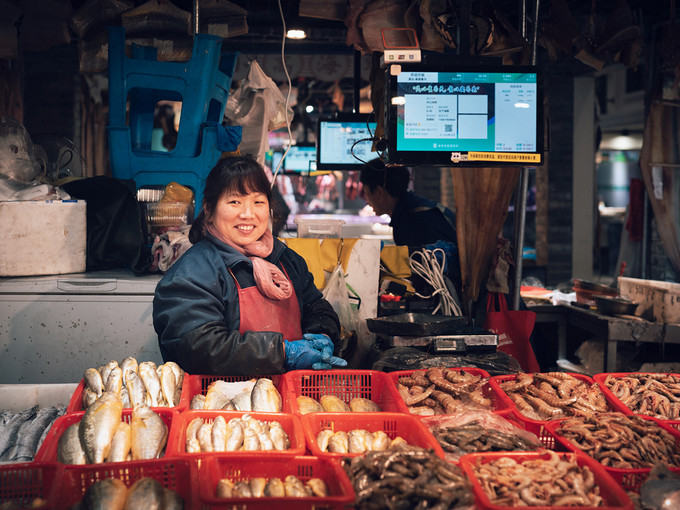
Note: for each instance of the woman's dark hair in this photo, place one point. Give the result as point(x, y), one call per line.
point(394, 179)
point(229, 175)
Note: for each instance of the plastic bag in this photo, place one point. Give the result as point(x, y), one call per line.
point(336, 292)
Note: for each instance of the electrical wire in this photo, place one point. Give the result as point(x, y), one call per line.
point(290, 86)
point(432, 271)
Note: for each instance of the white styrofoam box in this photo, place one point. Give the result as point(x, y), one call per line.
point(17, 397)
point(658, 301)
point(42, 238)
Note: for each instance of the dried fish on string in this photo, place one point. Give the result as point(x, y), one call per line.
point(621, 441)
point(407, 477)
point(656, 395)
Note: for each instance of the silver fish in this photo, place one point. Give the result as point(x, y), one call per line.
point(221, 392)
point(30, 432)
point(114, 383)
point(98, 425)
point(278, 436)
point(250, 440)
point(94, 381)
point(108, 494)
point(197, 402)
point(234, 435)
point(10, 432)
point(218, 434)
point(257, 485)
point(265, 397)
point(120, 444)
point(135, 387)
point(294, 487)
point(204, 436)
point(275, 488)
point(192, 445)
point(242, 401)
point(147, 371)
point(69, 448)
point(149, 433)
point(145, 493)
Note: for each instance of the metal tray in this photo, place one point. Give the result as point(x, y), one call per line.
point(416, 324)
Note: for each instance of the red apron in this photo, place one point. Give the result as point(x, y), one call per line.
point(259, 313)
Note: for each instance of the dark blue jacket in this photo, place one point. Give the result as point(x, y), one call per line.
point(196, 312)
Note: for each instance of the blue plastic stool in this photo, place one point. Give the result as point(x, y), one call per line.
point(201, 84)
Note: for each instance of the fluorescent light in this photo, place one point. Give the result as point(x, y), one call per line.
point(398, 100)
point(296, 33)
point(309, 108)
point(521, 105)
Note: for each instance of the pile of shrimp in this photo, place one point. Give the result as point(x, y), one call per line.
point(551, 395)
point(556, 481)
point(656, 395)
point(621, 441)
point(443, 391)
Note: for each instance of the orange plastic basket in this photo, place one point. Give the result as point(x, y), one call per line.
point(198, 385)
point(344, 384)
point(27, 483)
point(616, 401)
point(613, 496)
point(498, 405)
point(175, 474)
point(629, 479)
point(243, 467)
point(48, 450)
point(290, 423)
point(393, 424)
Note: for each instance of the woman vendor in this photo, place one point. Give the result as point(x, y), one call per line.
point(239, 302)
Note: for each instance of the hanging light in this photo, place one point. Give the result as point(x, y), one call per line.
point(296, 33)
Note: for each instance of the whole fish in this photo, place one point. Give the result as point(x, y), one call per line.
point(192, 445)
point(94, 381)
point(363, 405)
point(147, 371)
point(29, 435)
point(177, 370)
point(89, 396)
point(317, 487)
point(149, 433)
point(250, 440)
point(294, 487)
point(197, 402)
point(172, 500)
point(106, 370)
point(278, 436)
point(204, 436)
point(265, 397)
point(225, 488)
point(234, 435)
point(69, 448)
point(381, 441)
point(135, 387)
point(257, 485)
point(221, 392)
point(339, 442)
point(359, 441)
point(114, 383)
point(61, 412)
point(145, 493)
point(107, 494)
point(322, 439)
point(129, 364)
point(9, 433)
point(98, 425)
point(332, 404)
point(120, 444)
point(218, 434)
point(242, 490)
point(125, 397)
point(168, 385)
point(275, 488)
point(243, 401)
point(308, 405)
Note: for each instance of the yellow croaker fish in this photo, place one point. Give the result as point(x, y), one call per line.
point(69, 448)
point(317, 487)
point(234, 435)
point(109, 494)
point(192, 444)
point(257, 486)
point(120, 444)
point(98, 425)
point(294, 487)
point(265, 397)
point(147, 371)
point(278, 436)
point(218, 434)
point(242, 490)
point(106, 370)
point(89, 396)
point(308, 405)
point(114, 383)
point(136, 388)
point(144, 493)
point(197, 402)
point(356, 442)
point(129, 364)
point(339, 442)
point(363, 405)
point(332, 404)
point(275, 488)
point(168, 384)
point(322, 439)
point(93, 379)
point(204, 436)
point(381, 441)
point(225, 488)
point(250, 440)
point(149, 433)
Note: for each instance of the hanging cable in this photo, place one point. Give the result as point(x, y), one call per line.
point(431, 270)
point(290, 86)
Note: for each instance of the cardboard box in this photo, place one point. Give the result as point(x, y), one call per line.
point(658, 301)
point(42, 238)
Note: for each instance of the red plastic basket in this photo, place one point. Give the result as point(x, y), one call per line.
point(629, 479)
point(243, 467)
point(616, 401)
point(198, 385)
point(290, 423)
point(613, 496)
point(344, 384)
point(498, 405)
point(48, 450)
point(393, 424)
point(24, 483)
point(176, 474)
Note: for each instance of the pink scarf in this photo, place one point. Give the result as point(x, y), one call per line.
point(269, 279)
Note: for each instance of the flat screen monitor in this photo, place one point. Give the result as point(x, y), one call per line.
point(345, 142)
point(456, 115)
point(301, 158)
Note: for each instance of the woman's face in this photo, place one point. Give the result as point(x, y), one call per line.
point(242, 219)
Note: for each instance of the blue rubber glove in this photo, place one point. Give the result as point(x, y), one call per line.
point(321, 343)
point(301, 354)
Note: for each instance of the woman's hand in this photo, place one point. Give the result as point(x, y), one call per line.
point(314, 352)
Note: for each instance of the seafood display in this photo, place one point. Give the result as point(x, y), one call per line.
point(291, 486)
point(238, 434)
point(111, 493)
point(443, 391)
point(555, 481)
point(474, 437)
point(621, 441)
point(407, 477)
point(656, 395)
point(22, 433)
point(551, 395)
point(135, 383)
point(101, 435)
point(333, 404)
point(259, 395)
point(355, 441)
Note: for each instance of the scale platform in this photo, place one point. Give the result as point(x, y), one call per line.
point(485, 342)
